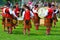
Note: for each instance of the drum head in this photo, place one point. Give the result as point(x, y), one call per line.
point(42, 12)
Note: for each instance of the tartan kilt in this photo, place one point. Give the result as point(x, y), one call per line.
point(27, 26)
point(36, 20)
point(48, 22)
point(3, 20)
point(9, 22)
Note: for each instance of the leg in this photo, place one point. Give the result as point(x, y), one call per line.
point(3, 24)
point(37, 26)
point(24, 31)
point(28, 31)
point(4, 27)
point(37, 23)
point(54, 23)
point(10, 30)
point(14, 27)
point(48, 29)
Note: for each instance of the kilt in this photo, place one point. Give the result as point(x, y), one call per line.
point(3, 20)
point(27, 26)
point(9, 22)
point(36, 19)
point(48, 22)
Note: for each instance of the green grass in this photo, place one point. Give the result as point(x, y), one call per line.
point(34, 35)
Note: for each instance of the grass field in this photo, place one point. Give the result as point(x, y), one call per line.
point(34, 34)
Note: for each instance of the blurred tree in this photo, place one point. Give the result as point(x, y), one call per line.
point(4, 0)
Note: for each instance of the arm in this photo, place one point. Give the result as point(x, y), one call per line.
point(23, 14)
point(56, 11)
point(4, 10)
point(10, 10)
point(35, 11)
point(32, 15)
point(14, 14)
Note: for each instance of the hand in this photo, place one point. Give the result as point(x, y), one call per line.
point(18, 12)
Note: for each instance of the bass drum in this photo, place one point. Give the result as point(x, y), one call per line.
point(42, 12)
point(42, 22)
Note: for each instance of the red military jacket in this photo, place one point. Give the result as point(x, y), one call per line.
point(35, 10)
point(17, 11)
point(50, 12)
point(8, 15)
point(3, 12)
point(27, 15)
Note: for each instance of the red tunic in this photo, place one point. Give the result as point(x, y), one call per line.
point(8, 13)
point(35, 13)
point(17, 11)
point(27, 15)
point(48, 20)
point(3, 14)
point(50, 12)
